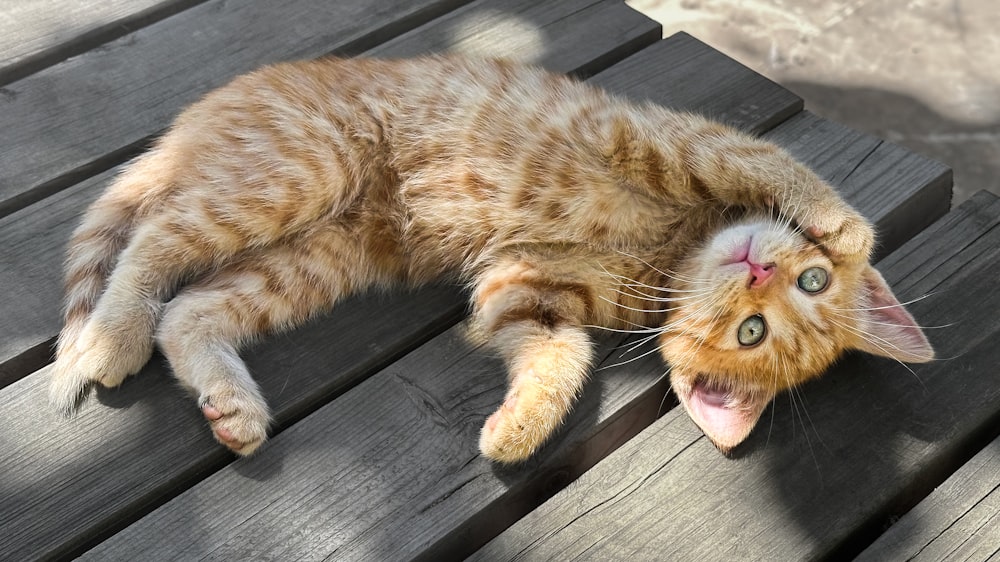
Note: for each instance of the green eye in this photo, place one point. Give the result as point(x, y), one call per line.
point(813, 280)
point(751, 331)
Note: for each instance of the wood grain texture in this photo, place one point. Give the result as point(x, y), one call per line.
point(34, 244)
point(526, 30)
point(37, 33)
point(67, 482)
point(391, 470)
point(722, 89)
point(828, 465)
point(386, 472)
point(91, 112)
point(134, 448)
point(960, 520)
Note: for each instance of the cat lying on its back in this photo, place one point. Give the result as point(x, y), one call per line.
point(562, 206)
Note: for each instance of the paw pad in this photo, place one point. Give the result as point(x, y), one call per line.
point(240, 429)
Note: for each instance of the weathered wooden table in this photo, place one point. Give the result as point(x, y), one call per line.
point(379, 404)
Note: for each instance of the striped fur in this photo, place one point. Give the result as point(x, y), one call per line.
point(562, 206)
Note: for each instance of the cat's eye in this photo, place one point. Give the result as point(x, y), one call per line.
point(813, 280)
point(751, 331)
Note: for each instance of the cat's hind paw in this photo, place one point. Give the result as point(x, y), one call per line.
point(108, 365)
point(95, 357)
point(67, 387)
point(238, 422)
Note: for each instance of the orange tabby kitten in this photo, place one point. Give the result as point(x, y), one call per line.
point(562, 206)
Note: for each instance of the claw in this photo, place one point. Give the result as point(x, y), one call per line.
point(241, 429)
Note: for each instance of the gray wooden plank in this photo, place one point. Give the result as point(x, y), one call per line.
point(34, 243)
point(699, 79)
point(834, 463)
point(91, 112)
point(386, 472)
point(525, 30)
point(37, 33)
point(67, 482)
point(118, 448)
point(960, 520)
point(390, 470)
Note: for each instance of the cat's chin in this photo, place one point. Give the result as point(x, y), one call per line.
point(727, 414)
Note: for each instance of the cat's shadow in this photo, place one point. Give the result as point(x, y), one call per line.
point(816, 444)
point(558, 462)
point(135, 390)
point(155, 390)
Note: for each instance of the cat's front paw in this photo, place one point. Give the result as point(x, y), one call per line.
point(520, 426)
point(841, 230)
point(238, 421)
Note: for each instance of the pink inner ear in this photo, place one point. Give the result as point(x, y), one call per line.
point(890, 330)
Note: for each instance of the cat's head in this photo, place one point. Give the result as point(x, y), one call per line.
point(761, 309)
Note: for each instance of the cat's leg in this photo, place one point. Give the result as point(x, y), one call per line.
point(117, 338)
point(180, 240)
point(535, 321)
point(267, 290)
point(740, 170)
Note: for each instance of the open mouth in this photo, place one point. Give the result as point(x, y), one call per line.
point(713, 394)
point(725, 412)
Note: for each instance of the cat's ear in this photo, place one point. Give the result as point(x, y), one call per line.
point(889, 330)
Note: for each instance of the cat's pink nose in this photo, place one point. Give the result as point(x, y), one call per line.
point(759, 274)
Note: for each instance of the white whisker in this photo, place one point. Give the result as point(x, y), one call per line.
point(643, 296)
point(902, 304)
point(871, 338)
point(633, 283)
point(627, 361)
point(621, 330)
point(851, 317)
point(632, 308)
point(659, 411)
point(669, 274)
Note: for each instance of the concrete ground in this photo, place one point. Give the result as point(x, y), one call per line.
point(924, 74)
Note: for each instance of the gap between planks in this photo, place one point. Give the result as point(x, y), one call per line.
point(887, 439)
